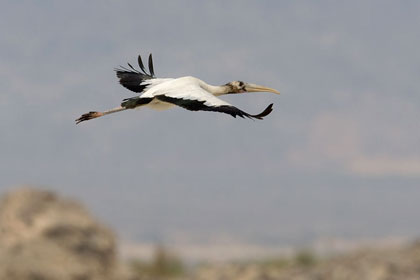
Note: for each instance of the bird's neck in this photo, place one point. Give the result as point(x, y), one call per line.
point(216, 90)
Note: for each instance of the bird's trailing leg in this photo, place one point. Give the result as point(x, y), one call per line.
point(93, 114)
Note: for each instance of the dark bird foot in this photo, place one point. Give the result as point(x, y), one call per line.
point(88, 116)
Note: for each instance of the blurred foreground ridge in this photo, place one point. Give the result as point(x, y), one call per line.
point(46, 237)
point(43, 236)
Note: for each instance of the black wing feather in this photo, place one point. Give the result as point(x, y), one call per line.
point(132, 78)
point(151, 70)
point(132, 68)
point(133, 102)
point(196, 105)
point(141, 64)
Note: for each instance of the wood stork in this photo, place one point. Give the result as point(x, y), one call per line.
point(187, 92)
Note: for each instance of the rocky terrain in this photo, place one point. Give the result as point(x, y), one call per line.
point(374, 264)
point(43, 236)
point(46, 237)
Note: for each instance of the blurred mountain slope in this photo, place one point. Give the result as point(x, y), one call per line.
point(44, 236)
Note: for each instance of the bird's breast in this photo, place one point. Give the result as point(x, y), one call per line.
point(159, 105)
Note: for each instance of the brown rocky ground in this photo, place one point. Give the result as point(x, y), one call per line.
point(43, 237)
point(374, 264)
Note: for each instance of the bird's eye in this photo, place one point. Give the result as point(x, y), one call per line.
point(241, 84)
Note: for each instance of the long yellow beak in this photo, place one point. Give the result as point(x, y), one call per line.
point(257, 88)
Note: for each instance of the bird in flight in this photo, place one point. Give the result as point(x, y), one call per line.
point(187, 92)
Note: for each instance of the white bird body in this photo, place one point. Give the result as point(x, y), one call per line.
point(189, 88)
point(188, 92)
point(151, 88)
point(158, 105)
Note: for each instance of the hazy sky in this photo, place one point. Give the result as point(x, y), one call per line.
point(338, 156)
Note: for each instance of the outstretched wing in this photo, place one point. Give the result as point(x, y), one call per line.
point(134, 79)
point(192, 97)
point(196, 105)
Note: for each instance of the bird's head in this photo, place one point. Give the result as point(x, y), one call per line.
point(240, 87)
